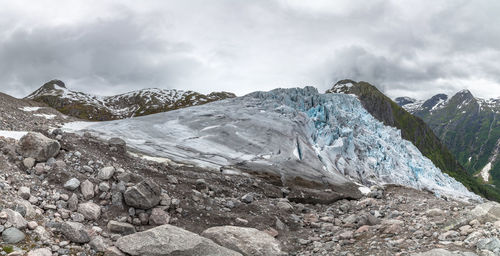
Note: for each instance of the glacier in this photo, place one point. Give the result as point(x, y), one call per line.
point(297, 132)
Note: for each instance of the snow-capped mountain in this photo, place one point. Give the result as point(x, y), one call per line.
point(401, 101)
point(136, 103)
point(289, 132)
point(469, 126)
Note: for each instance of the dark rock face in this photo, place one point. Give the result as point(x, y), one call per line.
point(144, 195)
point(401, 101)
point(430, 103)
point(39, 147)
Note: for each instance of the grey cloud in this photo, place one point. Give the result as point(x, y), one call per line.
point(414, 48)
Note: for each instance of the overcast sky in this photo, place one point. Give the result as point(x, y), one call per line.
point(413, 48)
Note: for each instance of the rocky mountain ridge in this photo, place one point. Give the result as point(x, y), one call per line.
point(137, 103)
point(469, 126)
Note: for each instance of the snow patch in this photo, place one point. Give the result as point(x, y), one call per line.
point(30, 109)
point(485, 172)
point(364, 190)
point(46, 116)
point(17, 135)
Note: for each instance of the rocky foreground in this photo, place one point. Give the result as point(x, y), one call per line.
point(65, 194)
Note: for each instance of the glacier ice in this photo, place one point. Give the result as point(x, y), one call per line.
point(292, 132)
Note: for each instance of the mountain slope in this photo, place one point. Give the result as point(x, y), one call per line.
point(290, 132)
point(470, 127)
point(136, 103)
point(412, 129)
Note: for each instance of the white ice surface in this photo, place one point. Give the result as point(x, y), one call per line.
point(324, 137)
point(12, 134)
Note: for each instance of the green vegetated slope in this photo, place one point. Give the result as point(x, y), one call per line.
point(415, 130)
point(470, 127)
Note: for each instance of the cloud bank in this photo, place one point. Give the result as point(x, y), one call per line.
point(412, 48)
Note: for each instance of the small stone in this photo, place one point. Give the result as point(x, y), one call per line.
point(72, 184)
point(144, 195)
point(158, 217)
point(106, 173)
point(346, 235)
point(89, 210)
point(29, 162)
point(40, 252)
point(73, 202)
point(87, 189)
point(104, 186)
point(248, 198)
point(285, 206)
point(120, 228)
point(24, 192)
point(32, 225)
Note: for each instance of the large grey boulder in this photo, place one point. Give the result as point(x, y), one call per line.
point(443, 252)
point(247, 241)
point(145, 195)
point(40, 252)
point(39, 147)
point(12, 236)
point(75, 232)
point(170, 240)
point(485, 212)
point(15, 218)
point(120, 227)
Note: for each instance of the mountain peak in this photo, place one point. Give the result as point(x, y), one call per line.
point(401, 101)
point(464, 95)
point(341, 86)
point(52, 84)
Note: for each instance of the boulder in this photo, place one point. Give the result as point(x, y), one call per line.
point(443, 252)
point(158, 217)
point(120, 228)
point(87, 189)
point(486, 212)
point(12, 236)
point(145, 195)
point(38, 147)
point(118, 143)
point(40, 252)
point(247, 241)
point(16, 219)
point(170, 240)
point(72, 184)
point(74, 232)
point(89, 210)
point(24, 192)
point(113, 251)
point(29, 162)
point(106, 173)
